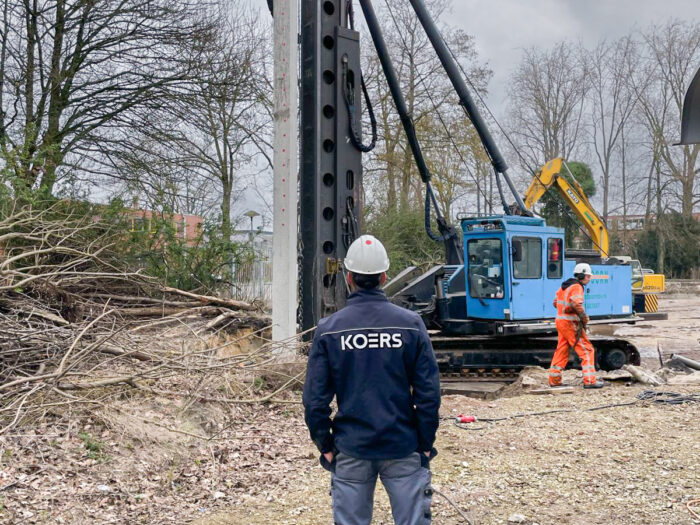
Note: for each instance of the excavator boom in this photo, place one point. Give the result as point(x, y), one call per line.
point(572, 192)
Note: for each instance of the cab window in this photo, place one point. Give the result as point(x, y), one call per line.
point(485, 268)
point(527, 257)
point(554, 258)
point(637, 274)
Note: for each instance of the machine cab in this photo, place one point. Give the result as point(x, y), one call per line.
point(513, 267)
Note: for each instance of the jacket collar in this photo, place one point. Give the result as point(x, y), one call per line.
point(366, 295)
point(570, 282)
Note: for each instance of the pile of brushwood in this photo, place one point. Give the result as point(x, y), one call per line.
point(76, 326)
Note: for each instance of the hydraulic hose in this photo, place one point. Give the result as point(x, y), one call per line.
point(348, 95)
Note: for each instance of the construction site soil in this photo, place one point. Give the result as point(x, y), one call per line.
point(632, 464)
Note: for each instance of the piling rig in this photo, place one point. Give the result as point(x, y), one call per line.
point(489, 306)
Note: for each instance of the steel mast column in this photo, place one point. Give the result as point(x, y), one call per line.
point(285, 221)
point(331, 166)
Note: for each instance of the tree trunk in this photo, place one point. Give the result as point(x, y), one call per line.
point(57, 103)
point(606, 190)
point(27, 175)
point(226, 229)
point(660, 230)
point(624, 192)
point(650, 178)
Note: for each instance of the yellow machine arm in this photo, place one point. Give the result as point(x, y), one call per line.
point(573, 194)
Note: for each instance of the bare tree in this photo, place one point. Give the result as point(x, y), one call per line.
point(391, 174)
point(547, 95)
point(612, 101)
point(211, 128)
point(152, 172)
point(456, 161)
point(71, 69)
point(673, 56)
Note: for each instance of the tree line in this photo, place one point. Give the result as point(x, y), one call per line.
point(161, 105)
point(168, 105)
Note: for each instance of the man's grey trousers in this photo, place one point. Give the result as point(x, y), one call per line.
point(406, 480)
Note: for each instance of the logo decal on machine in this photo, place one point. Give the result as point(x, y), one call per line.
point(370, 341)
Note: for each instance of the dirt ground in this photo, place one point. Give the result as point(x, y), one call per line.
point(679, 334)
point(634, 464)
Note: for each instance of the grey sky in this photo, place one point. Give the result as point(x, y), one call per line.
point(502, 28)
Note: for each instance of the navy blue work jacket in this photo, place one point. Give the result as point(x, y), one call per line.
point(377, 359)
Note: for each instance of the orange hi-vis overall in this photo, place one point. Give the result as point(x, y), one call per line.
point(571, 334)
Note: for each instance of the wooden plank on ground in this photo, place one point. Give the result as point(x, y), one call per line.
point(477, 389)
point(552, 391)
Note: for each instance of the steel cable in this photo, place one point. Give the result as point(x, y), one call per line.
point(670, 398)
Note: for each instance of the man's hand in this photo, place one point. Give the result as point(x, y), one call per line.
point(328, 456)
point(427, 453)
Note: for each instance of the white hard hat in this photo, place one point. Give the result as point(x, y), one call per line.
point(583, 268)
point(367, 256)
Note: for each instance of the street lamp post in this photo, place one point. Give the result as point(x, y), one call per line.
point(251, 214)
point(256, 264)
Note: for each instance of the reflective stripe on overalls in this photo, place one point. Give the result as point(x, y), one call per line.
point(555, 374)
point(589, 373)
point(565, 304)
point(571, 336)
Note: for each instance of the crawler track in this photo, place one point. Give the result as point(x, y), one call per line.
point(500, 358)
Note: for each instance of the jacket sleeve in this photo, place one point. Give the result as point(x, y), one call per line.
point(576, 301)
point(426, 391)
point(318, 394)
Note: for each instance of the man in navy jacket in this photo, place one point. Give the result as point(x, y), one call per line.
point(377, 360)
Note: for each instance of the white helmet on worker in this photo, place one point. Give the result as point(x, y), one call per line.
point(583, 269)
point(366, 256)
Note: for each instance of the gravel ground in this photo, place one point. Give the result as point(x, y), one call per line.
point(638, 464)
point(679, 334)
point(633, 465)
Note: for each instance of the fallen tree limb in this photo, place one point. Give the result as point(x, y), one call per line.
point(150, 311)
point(114, 350)
point(208, 299)
point(237, 320)
point(127, 380)
point(131, 299)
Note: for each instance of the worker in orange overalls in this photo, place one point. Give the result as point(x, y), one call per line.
point(571, 324)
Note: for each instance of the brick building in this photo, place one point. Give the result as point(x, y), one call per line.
point(187, 227)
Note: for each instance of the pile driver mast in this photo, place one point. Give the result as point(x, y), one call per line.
point(331, 164)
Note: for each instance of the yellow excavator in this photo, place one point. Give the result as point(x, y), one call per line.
point(645, 286)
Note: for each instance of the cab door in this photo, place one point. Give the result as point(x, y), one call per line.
point(527, 287)
point(487, 296)
point(555, 273)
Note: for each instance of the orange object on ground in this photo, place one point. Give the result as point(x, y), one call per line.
point(569, 303)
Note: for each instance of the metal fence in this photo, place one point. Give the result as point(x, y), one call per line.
point(252, 280)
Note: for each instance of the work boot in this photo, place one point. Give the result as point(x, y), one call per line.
point(597, 384)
